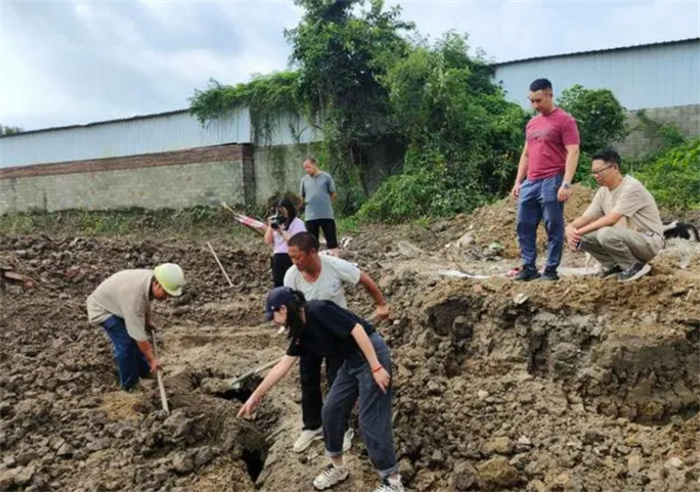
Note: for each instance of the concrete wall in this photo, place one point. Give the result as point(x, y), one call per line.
point(686, 118)
point(203, 176)
point(279, 168)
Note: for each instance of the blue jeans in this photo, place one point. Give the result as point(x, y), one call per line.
point(538, 199)
point(130, 360)
point(355, 378)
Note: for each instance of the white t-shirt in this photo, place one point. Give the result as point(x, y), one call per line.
point(329, 284)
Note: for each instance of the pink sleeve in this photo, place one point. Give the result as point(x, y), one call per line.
point(569, 132)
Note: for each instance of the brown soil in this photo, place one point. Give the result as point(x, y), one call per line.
point(581, 385)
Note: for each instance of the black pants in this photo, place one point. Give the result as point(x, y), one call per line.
point(280, 265)
point(328, 226)
point(311, 394)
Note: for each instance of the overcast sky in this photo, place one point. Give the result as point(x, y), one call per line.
point(75, 62)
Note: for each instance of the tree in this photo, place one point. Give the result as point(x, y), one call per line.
point(342, 55)
point(10, 130)
point(370, 90)
point(601, 118)
point(464, 138)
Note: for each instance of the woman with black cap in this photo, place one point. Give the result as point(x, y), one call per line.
point(326, 329)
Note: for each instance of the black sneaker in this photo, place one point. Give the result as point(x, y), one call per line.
point(608, 272)
point(527, 273)
point(634, 272)
point(550, 275)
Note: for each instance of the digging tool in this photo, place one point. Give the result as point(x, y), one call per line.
point(159, 374)
point(252, 224)
point(220, 265)
point(236, 383)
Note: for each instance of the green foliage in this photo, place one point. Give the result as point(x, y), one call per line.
point(347, 225)
point(401, 198)
point(464, 137)
point(267, 97)
point(342, 53)
point(674, 177)
point(601, 119)
point(435, 189)
point(10, 130)
point(197, 221)
point(364, 84)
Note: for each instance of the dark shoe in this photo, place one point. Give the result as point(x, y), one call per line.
point(634, 272)
point(527, 273)
point(550, 275)
point(608, 272)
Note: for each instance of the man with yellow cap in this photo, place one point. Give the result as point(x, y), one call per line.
point(122, 306)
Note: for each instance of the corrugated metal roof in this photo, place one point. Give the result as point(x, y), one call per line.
point(604, 50)
point(95, 123)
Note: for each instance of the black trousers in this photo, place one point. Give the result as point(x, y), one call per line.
point(311, 393)
point(328, 226)
point(280, 265)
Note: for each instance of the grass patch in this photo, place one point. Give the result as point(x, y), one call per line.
point(205, 222)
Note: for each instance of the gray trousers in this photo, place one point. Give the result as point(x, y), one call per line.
point(619, 246)
point(355, 379)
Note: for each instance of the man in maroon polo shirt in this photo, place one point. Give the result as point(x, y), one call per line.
point(549, 161)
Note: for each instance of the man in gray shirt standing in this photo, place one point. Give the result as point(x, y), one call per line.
point(318, 191)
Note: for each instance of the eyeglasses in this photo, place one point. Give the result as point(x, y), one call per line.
point(600, 171)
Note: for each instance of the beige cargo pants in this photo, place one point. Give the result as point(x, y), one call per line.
point(620, 246)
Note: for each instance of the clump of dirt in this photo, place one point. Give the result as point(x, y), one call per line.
point(581, 384)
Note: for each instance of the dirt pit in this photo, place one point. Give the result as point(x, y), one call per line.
point(582, 385)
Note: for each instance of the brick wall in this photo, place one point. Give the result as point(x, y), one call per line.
point(687, 118)
point(203, 176)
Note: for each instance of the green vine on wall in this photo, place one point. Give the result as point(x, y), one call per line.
point(267, 97)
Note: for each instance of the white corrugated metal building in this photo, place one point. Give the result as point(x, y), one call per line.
point(641, 77)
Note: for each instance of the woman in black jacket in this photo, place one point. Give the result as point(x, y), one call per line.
point(326, 329)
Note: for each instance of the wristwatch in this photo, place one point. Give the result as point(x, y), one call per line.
point(566, 186)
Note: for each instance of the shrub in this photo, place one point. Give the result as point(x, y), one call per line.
point(674, 177)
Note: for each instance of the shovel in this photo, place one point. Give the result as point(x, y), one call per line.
point(159, 374)
point(237, 383)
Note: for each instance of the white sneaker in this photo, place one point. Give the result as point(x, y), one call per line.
point(306, 438)
point(390, 485)
point(330, 476)
point(347, 439)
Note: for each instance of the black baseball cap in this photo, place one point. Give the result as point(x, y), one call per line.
point(276, 298)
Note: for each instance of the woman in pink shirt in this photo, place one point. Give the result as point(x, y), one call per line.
point(278, 233)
